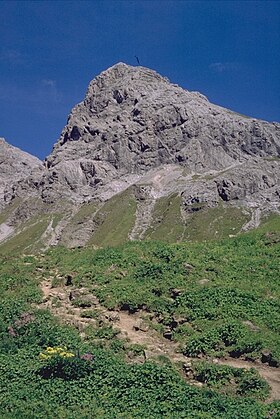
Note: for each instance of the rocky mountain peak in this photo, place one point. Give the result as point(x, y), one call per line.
point(126, 74)
point(133, 120)
point(137, 134)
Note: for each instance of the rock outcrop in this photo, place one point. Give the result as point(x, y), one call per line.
point(15, 167)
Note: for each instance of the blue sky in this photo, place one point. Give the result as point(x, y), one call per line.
point(50, 50)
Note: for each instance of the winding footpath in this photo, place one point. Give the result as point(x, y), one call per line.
point(125, 323)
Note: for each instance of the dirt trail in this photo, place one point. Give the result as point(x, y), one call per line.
point(124, 322)
point(58, 302)
point(270, 374)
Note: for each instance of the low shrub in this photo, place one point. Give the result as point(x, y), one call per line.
point(253, 385)
point(232, 380)
point(61, 363)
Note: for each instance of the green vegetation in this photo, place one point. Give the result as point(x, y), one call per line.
point(85, 211)
point(214, 223)
point(28, 239)
point(272, 158)
point(82, 216)
point(230, 380)
point(115, 220)
point(217, 298)
point(200, 224)
point(270, 225)
point(60, 363)
point(56, 218)
point(8, 210)
point(167, 220)
point(112, 221)
point(227, 291)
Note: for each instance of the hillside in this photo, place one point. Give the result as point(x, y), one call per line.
point(146, 329)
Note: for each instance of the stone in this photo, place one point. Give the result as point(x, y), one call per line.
point(135, 359)
point(69, 280)
point(75, 294)
point(203, 281)
point(188, 266)
point(167, 334)
point(180, 320)
point(251, 325)
point(188, 370)
point(141, 325)
point(16, 166)
point(266, 356)
point(149, 354)
point(175, 292)
point(112, 316)
point(198, 384)
point(110, 136)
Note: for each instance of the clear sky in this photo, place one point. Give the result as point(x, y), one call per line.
point(50, 50)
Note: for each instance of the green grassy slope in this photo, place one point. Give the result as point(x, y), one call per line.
point(217, 298)
point(8, 210)
point(201, 223)
point(28, 239)
point(115, 220)
point(222, 286)
point(29, 236)
point(214, 223)
point(167, 222)
point(241, 285)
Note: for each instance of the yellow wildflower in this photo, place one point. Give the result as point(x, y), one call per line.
point(56, 350)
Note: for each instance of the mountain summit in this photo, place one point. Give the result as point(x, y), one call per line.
point(164, 151)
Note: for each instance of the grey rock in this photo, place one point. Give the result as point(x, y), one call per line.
point(167, 334)
point(141, 325)
point(112, 316)
point(15, 166)
point(133, 120)
point(175, 292)
point(203, 281)
point(149, 354)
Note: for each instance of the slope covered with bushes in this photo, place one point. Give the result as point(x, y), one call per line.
point(215, 299)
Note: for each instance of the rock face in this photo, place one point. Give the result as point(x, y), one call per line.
point(137, 130)
point(15, 166)
point(133, 120)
